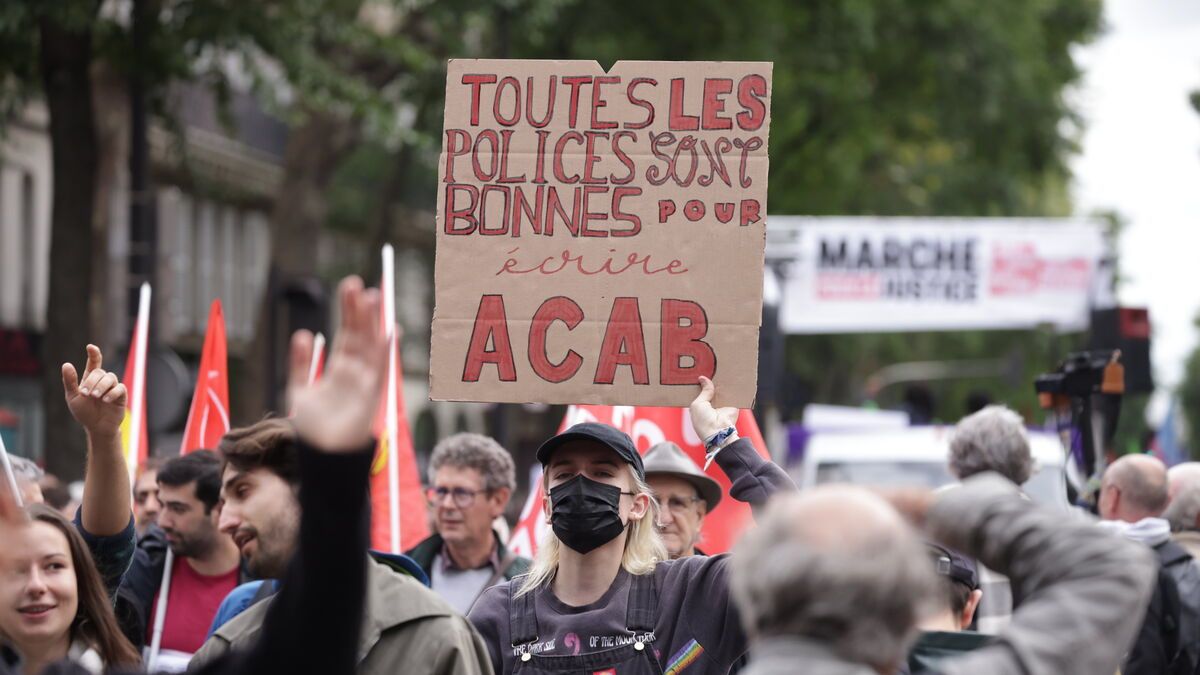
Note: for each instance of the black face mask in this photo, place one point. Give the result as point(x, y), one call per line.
point(586, 514)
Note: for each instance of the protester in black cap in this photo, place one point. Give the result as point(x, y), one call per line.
point(945, 630)
point(684, 494)
point(601, 594)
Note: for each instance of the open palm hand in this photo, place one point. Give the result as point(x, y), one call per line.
point(335, 413)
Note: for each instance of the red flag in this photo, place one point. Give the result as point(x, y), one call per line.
point(395, 486)
point(648, 426)
point(397, 504)
point(208, 419)
point(133, 459)
point(135, 443)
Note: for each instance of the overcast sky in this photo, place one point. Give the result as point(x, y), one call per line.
point(1141, 157)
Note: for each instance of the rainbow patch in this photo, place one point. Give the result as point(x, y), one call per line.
point(684, 658)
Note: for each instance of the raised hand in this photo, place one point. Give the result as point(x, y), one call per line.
point(97, 400)
point(706, 419)
point(335, 413)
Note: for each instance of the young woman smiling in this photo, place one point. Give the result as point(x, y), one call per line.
point(53, 604)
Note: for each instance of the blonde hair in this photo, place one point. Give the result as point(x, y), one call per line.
point(644, 547)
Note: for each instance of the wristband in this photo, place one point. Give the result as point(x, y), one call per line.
point(714, 443)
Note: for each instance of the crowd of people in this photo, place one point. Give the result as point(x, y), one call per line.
point(252, 557)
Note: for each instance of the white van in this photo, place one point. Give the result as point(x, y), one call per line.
point(917, 457)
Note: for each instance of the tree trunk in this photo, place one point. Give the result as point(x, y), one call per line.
point(66, 56)
point(110, 104)
point(314, 151)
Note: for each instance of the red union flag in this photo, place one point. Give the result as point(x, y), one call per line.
point(397, 506)
point(648, 426)
point(133, 428)
point(208, 419)
point(397, 503)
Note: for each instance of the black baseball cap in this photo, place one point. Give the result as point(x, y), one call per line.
point(611, 437)
point(950, 563)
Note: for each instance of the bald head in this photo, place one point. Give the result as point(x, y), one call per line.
point(1133, 488)
point(841, 518)
point(838, 565)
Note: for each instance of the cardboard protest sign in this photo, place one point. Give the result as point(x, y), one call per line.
point(600, 235)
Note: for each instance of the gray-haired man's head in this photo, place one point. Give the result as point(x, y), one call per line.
point(1183, 510)
point(836, 565)
point(471, 478)
point(29, 477)
point(992, 439)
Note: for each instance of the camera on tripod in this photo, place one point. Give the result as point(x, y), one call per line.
point(1084, 395)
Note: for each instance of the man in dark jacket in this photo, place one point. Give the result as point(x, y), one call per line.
point(205, 565)
point(471, 479)
point(944, 632)
point(1133, 494)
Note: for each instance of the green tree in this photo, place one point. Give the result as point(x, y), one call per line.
point(1189, 388)
point(885, 107)
point(881, 107)
point(329, 58)
point(1189, 392)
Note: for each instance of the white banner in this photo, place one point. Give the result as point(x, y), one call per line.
point(864, 275)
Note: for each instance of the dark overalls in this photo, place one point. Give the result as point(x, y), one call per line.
point(636, 658)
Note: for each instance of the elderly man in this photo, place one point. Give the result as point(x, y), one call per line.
point(1183, 509)
point(992, 439)
point(833, 581)
point(471, 479)
point(1133, 494)
point(685, 495)
point(29, 477)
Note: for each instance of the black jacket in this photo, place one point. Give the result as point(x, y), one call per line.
point(1184, 570)
point(1158, 649)
point(427, 550)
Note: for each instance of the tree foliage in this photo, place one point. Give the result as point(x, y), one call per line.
point(887, 107)
point(884, 107)
point(1189, 388)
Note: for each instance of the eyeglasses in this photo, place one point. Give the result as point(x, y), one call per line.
point(463, 497)
point(681, 504)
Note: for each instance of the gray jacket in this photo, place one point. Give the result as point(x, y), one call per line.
point(407, 629)
point(1083, 592)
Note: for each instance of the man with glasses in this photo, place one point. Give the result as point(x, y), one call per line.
point(471, 479)
point(684, 494)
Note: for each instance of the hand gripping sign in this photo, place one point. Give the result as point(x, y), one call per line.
point(600, 235)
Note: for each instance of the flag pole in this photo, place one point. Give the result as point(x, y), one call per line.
point(318, 349)
point(388, 287)
point(138, 393)
point(8, 472)
point(160, 613)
